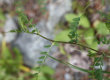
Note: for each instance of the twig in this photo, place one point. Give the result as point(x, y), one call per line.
point(69, 43)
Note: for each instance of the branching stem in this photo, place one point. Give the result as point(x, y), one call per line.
point(69, 43)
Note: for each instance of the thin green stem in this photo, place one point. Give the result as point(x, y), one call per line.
point(68, 43)
point(48, 52)
point(70, 65)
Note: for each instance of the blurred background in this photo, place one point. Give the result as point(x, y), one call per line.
point(19, 52)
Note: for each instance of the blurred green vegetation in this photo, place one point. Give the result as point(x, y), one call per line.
point(2, 18)
point(88, 32)
point(46, 73)
point(12, 68)
point(11, 62)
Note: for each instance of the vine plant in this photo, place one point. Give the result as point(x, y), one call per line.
point(98, 56)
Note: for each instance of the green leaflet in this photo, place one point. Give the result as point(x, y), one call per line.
point(89, 36)
point(47, 46)
point(83, 19)
point(25, 24)
point(107, 17)
point(73, 26)
point(39, 62)
point(98, 62)
point(42, 57)
point(102, 28)
point(104, 40)
point(44, 53)
point(47, 70)
point(42, 61)
point(108, 25)
point(37, 68)
point(63, 36)
point(84, 22)
point(99, 74)
point(22, 21)
point(33, 31)
point(15, 31)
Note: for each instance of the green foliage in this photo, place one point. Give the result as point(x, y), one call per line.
point(7, 59)
point(89, 36)
point(102, 29)
point(46, 73)
point(70, 65)
point(9, 64)
point(72, 37)
point(84, 22)
point(88, 32)
point(83, 19)
point(107, 18)
point(108, 25)
point(104, 40)
point(43, 72)
point(47, 46)
point(63, 36)
point(25, 24)
point(98, 62)
point(61, 48)
point(2, 18)
point(74, 26)
point(47, 70)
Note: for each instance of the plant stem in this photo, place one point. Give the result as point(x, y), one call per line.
point(69, 43)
